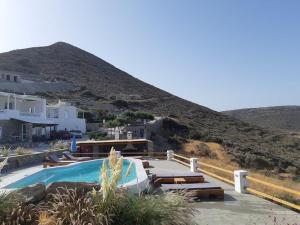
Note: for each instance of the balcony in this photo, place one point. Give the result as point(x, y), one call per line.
point(6, 114)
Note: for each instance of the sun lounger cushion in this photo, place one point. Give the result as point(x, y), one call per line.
point(195, 186)
point(54, 159)
point(69, 156)
point(174, 175)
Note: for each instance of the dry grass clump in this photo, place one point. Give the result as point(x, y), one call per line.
point(23, 151)
point(60, 145)
point(5, 151)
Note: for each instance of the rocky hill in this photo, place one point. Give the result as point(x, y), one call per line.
point(97, 83)
point(279, 117)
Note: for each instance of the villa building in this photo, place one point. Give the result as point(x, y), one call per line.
point(26, 118)
point(66, 117)
point(22, 118)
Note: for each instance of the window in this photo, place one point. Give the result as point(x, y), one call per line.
point(7, 77)
point(66, 114)
point(32, 109)
point(52, 113)
point(15, 78)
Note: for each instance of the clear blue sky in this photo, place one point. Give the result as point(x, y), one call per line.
point(220, 54)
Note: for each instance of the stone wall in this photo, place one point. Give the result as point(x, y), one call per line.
point(21, 161)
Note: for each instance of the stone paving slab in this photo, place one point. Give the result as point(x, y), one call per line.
point(236, 209)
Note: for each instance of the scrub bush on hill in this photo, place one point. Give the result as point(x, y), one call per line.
point(97, 135)
point(128, 117)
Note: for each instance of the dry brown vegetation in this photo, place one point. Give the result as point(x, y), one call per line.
point(215, 154)
point(23, 151)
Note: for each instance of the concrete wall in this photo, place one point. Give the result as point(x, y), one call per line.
point(67, 118)
point(20, 161)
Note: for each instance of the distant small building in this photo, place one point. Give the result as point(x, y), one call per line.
point(66, 117)
point(8, 76)
point(140, 129)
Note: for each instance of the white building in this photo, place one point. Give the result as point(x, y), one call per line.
point(27, 118)
point(22, 118)
point(66, 117)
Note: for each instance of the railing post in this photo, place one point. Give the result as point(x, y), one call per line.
point(170, 154)
point(118, 154)
point(240, 181)
point(193, 164)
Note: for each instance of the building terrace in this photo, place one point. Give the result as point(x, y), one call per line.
point(236, 209)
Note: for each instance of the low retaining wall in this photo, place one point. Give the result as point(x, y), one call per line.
point(19, 161)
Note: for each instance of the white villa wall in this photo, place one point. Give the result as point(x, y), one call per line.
point(66, 117)
point(20, 107)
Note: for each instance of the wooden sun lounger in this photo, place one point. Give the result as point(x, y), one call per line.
point(198, 190)
point(53, 160)
point(61, 163)
point(70, 157)
point(178, 178)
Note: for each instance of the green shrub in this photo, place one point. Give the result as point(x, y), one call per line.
point(120, 103)
point(128, 118)
point(97, 135)
point(165, 209)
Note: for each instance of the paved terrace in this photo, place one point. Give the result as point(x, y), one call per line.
point(236, 209)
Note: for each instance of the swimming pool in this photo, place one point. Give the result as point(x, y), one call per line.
point(88, 171)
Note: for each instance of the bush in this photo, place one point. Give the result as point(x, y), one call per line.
point(127, 209)
point(173, 127)
point(128, 118)
point(7, 204)
point(23, 151)
point(98, 135)
point(60, 145)
point(120, 104)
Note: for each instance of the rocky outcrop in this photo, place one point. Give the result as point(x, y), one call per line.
point(31, 194)
point(39, 192)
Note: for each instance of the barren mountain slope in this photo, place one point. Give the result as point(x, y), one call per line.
point(280, 117)
point(96, 80)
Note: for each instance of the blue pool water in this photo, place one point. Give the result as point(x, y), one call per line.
point(82, 172)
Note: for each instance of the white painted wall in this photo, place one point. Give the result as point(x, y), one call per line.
point(65, 117)
point(23, 107)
